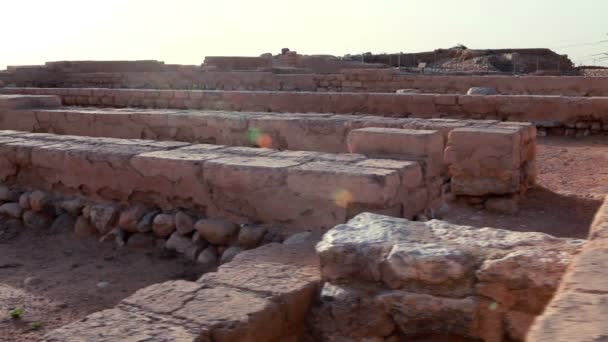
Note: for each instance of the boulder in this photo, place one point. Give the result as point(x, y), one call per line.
point(145, 223)
point(208, 258)
point(184, 245)
point(217, 231)
point(13, 210)
point(8, 195)
point(129, 219)
point(39, 200)
point(250, 236)
point(24, 201)
point(73, 206)
point(36, 220)
point(63, 223)
point(184, 224)
point(163, 225)
point(230, 253)
point(83, 228)
point(103, 217)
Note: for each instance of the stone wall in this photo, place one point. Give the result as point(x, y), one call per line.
point(390, 279)
point(594, 72)
point(238, 63)
point(81, 75)
point(297, 190)
point(578, 310)
point(481, 158)
point(552, 114)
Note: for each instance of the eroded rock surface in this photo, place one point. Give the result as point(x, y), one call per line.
point(435, 278)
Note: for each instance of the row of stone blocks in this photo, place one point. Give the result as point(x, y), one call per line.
point(382, 278)
point(295, 189)
point(588, 114)
point(480, 158)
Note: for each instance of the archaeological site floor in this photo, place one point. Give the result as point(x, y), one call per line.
point(299, 208)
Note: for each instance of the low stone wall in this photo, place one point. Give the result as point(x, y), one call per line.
point(388, 81)
point(136, 225)
point(155, 75)
point(393, 280)
point(501, 162)
point(552, 114)
point(578, 310)
point(238, 63)
point(297, 190)
point(263, 295)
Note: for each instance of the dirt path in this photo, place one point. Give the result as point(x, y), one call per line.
point(572, 180)
point(71, 279)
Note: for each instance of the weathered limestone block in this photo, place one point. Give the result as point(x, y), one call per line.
point(484, 161)
point(243, 185)
point(122, 325)
point(436, 278)
point(423, 145)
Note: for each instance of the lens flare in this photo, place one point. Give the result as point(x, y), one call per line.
point(343, 198)
point(265, 141)
point(493, 306)
point(258, 138)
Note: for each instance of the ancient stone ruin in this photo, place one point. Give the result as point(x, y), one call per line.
point(312, 191)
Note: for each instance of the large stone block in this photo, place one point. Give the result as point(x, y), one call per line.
point(484, 161)
point(436, 278)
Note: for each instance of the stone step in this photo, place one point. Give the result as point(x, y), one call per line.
point(584, 113)
point(298, 190)
point(261, 295)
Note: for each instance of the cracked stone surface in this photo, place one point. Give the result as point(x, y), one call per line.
point(262, 295)
point(437, 278)
point(240, 184)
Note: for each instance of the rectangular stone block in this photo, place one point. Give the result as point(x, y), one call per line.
point(425, 146)
point(484, 161)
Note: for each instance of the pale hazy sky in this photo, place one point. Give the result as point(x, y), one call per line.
point(184, 31)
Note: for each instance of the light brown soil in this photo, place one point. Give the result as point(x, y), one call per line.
point(69, 271)
point(572, 181)
point(573, 176)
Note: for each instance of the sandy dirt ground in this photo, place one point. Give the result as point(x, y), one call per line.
point(572, 182)
point(57, 279)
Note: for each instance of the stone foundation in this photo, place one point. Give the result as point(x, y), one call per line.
point(553, 114)
point(484, 158)
point(298, 190)
point(136, 225)
point(393, 279)
point(157, 75)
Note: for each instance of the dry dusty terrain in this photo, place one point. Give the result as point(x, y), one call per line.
point(73, 278)
point(572, 181)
